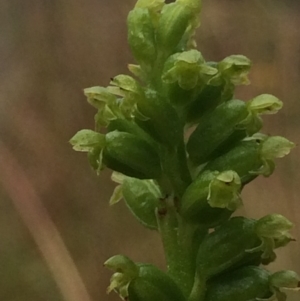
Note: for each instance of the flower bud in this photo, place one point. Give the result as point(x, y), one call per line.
point(184, 75)
point(87, 140)
point(243, 158)
point(173, 23)
point(215, 129)
point(129, 126)
point(162, 123)
point(141, 37)
point(122, 264)
point(269, 228)
point(125, 271)
point(142, 199)
point(99, 96)
point(229, 123)
point(205, 101)
point(224, 191)
point(287, 280)
point(175, 94)
point(265, 104)
point(273, 226)
point(137, 71)
point(232, 71)
point(244, 284)
point(235, 69)
point(129, 90)
point(211, 198)
point(276, 147)
point(184, 68)
point(226, 246)
point(154, 7)
point(153, 284)
point(131, 155)
point(106, 103)
point(193, 4)
point(95, 158)
point(252, 157)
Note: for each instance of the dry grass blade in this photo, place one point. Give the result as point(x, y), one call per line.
point(44, 232)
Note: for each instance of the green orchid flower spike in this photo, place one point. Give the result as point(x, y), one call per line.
point(182, 147)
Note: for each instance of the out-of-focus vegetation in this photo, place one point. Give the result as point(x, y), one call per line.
point(50, 51)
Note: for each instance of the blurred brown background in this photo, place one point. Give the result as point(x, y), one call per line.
point(50, 51)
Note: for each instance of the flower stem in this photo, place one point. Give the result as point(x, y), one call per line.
point(178, 239)
point(198, 290)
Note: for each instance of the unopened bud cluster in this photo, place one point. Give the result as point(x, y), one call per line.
point(187, 188)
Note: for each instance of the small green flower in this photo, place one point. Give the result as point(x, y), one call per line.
point(125, 271)
point(269, 228)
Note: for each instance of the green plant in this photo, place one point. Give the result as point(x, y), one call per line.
point(187, 188)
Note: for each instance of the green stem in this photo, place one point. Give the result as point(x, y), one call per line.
point(199, 288)
point(186, 242)
point(175, 167)
point(155, 80)
point(178, 240)
point(168, 228)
